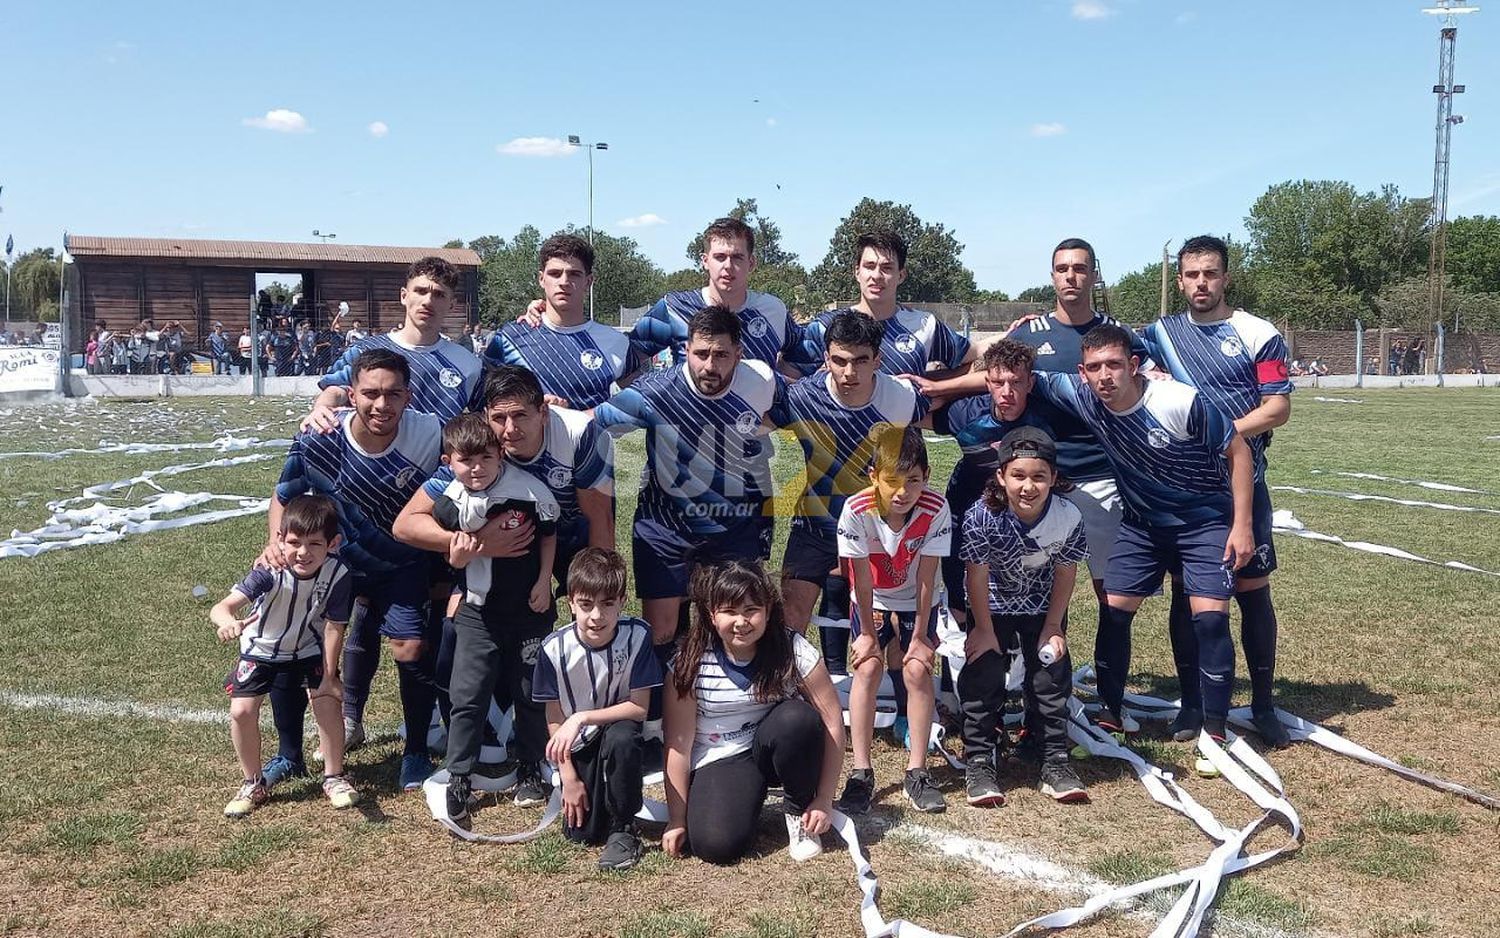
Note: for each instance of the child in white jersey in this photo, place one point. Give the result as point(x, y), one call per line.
point(892, 537)
point(294, 630)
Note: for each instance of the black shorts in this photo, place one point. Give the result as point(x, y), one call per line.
point(809, 556)
point(1264, 561)
point(896, 624)
point(251, 678)
point(664, 558)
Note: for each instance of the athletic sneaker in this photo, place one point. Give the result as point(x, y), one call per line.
point(460, 794)
point(531, 790)
point(800, 844)
point(1186, 726)
point(415, 768)
point(1060, 783)
point(251, 795)
point(354, 737)
point(341, 794)
point(1111, 723)
point(982, 784)
point(280, 768)
point(1202, 766)
point(859, 792)
point(1028, 748)
point(1270, 728)
point(923, 792)
point(621, 851)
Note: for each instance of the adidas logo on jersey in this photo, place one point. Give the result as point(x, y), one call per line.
point(1046, 349)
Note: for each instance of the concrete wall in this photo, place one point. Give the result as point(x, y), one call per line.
point(149, 386)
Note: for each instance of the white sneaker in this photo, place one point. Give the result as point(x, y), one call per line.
point(801, 845)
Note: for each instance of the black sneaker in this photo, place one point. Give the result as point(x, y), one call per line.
point(1186, 726)
point(981, 784)
point(460, 794)
point(531, 790)
point(859, 791)
point(1270, 728)
point(1027, 749)
point(923, 792)
point(621, 852)
point(1111, 723)
point(1060, 783)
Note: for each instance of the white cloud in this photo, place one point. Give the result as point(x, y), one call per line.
point(378, 129)
point(280, 120)
point(770, 122)
point(642, 221)
point(1048, 130)
point(1091, 10)
point(1186, 16)
point(536, 146)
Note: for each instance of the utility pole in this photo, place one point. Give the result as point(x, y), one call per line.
point(1164, 279)
point(1445, 89)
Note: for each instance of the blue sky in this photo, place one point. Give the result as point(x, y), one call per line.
point(1128, 122)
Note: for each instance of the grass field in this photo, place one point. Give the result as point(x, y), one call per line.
point(110, 819)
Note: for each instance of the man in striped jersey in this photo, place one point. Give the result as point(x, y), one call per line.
point(914, 339)
point(578, 360)
point(1186, 479)
point(767, 330)
point(707, 481)
point(834, 414)
point(370, 466)
point(1238, 362)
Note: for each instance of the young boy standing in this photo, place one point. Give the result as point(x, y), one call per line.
point(293, 631)
point(595, 678)
point(892, 536)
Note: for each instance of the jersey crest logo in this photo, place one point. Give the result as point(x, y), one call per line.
point(757, 327)
point(914, 544)
point(449, 378)
point(591, 360)
point(746, 422)
point(320, 591)
point(243, 671)
point(907, 343)
point(558, 477)
point(1158, 438)
point(1231, 346)
point(1046, 349)
point(406, 477)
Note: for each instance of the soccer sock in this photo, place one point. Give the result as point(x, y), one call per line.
point(835, 641)
point(1112, 655)
point(1184, 647)
point(898, 684)
point(288, 709)
point(663, 654)
point(418, 695)
point(1258, 632)
point(361, 658)
point(1215, 663)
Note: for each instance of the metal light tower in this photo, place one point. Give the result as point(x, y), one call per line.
point(325, 237)
point(1445, 89)
point(575, 141)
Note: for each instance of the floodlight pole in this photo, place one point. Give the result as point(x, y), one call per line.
point(1445, 89)
point(575, 141)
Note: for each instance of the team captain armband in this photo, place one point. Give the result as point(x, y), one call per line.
point(1267, 372)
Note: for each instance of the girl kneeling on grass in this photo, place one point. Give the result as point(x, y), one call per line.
point(749, 704)
point(1021, 547)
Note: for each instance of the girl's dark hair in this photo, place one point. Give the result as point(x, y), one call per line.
point(994, 490)
point(774, 670)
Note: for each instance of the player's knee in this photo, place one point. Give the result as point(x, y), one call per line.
point(244, 710)
point(918, 672)
point(406, 650)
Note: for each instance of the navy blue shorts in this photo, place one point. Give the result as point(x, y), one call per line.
point(397, 601)
point(1195, 553)
point(1264, 560)
point(252, 678)
point(663, 558)
point(809, 555)
point(893, 624)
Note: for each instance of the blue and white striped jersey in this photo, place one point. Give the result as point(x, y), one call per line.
point(369, 489)
point(1167, 452)
point(837, 441)
point(580, 677)
point(913, 339)
point(1021, 557)
point(708, 459)
point(445, 376)
point(1059, 348)
point(971, 421)
point(766, 328)
point(1234, 362)
point(577, 363)
point(286, 622)
point(728, 713)
point(576, 454)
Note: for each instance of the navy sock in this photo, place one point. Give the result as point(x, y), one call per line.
point(1258, 633)
point(898, 683)
point(1112, 655)
point(1184, 647)
point(1215, 663)
point(663, 654)
point(418, 696)
point(361, 659)
point(288, 709)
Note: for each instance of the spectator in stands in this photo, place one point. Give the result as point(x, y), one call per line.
point(39, 336)
point(1317, 368)
point(91, 352)
point(105, 335)
point(1397, 357)
point(284, 348)
point(1416, 354)
point(142, 351)
point(307, 348)
point(119, 354)
point(174, 346)
point(218, 350)
point(1297, 369)
point(355, 333)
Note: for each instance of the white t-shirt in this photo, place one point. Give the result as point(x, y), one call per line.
point(864, 537)
point(728, 713)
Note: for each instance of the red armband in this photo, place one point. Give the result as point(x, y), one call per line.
point(1270, 372)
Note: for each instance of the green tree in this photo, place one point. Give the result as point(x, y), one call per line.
point(688, 278)
point(1042, 294)
point(991, 296)
point(768, 249)
point(280, 293)
point(454, 243)
point(507, 274)
point(35, 280)
point(1136, 297)
point(623, 276)
point(1474, 253)
point(934, 272)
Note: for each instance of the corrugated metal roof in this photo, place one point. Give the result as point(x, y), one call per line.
point(278, 252)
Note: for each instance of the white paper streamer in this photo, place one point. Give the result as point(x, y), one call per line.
point(1338, 400)
point(224, 444)
point(105, 524)
point(1361, 497)
point(1435, 486)
point(1284, 522)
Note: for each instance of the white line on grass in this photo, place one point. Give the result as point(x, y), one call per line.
point(121, 709)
